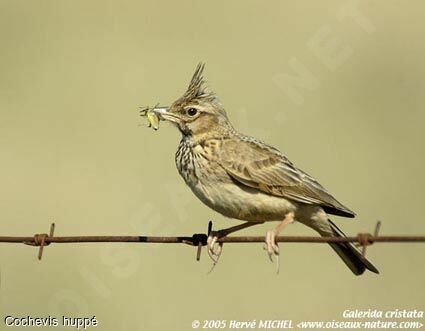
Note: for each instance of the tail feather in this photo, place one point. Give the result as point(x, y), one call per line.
point(349, 254)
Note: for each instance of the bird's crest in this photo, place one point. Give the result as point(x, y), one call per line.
point(197, 88)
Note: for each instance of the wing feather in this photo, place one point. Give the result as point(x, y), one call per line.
point(259, 166)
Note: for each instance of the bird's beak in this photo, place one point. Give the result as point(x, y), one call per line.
point(160, 110)
point(164, 114)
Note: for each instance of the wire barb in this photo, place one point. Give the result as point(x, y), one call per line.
point(41, 239)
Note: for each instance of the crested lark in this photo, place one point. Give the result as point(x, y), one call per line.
point(246, 179)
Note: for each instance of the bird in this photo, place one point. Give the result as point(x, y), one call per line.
point(246, 179)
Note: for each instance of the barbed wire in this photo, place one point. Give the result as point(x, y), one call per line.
point(200, 239)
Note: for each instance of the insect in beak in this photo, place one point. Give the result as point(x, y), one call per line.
point(153, 115)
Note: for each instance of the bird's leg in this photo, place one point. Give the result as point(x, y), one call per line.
point(270, 244)
point(215, 248)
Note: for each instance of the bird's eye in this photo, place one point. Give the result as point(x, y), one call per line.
point(192, 111)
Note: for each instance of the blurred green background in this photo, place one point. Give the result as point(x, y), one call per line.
point(74, 151)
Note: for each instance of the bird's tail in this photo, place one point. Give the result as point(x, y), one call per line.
point(348, 253)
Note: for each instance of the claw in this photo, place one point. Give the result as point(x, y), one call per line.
point(272, 247)
point(213, 242)
point(277, 264)
point(276, 253)
point(270, 257)
point(269, 254)
point(212, 256)
point(214, 249)
point(270, 242)
point(212, 268)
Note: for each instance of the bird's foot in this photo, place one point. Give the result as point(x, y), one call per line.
point(271, 246)
point(214, 247)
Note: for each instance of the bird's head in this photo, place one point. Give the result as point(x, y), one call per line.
point(198, 112)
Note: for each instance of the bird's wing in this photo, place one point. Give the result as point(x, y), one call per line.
point(264, 168)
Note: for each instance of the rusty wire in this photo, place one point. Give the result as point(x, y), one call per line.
point(200, 239)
